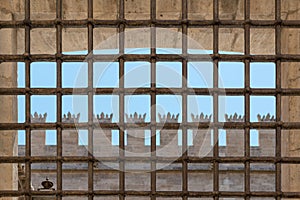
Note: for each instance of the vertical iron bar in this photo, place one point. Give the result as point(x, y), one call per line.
point(28, 101)
point(91, 103)
point(247, 98)
point(278, 98)
point(216, 99)
point(121, 102)
point(59, 98)
point(184, 102)
point(153, 98)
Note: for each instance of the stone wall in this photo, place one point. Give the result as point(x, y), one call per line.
point(75, 39)
point(200, 178)
point(8, 108)
point(137, 174)
point(290, 105)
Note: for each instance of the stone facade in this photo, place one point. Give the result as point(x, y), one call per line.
point(200, 177)
point(8, 108)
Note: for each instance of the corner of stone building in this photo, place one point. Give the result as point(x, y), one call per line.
point(8, 109)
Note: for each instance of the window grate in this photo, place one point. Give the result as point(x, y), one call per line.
point(184, 24)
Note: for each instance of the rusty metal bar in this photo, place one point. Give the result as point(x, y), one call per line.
point(190, 159)
point(189, 125)
point(146, 23)
point(90, 104)
point(59, 120)
point(147, 193)
point(247, 99)
point(215, 100)
point(121, 31)
point(59, 97)
point(153, 99)
point(159, 57)
point(27, 102)
point(184, 77)
point(278, 100)
point(136, 91)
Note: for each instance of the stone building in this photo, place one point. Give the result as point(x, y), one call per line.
point(22, 41)
point(138, 176)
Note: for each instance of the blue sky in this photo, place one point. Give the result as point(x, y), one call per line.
point(200, 75)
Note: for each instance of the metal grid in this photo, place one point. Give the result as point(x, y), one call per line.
point(122, 24)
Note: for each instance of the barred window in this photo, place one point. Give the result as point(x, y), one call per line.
point(154, 99)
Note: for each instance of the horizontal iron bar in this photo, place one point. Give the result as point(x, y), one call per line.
point(146, 126)
point(148, 57)
point(158, 159)
point(8, 193)
point(157, 91)
point(146, 23)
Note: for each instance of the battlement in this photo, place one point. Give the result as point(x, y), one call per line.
point(104, 118)
point(69, 118)
point(201, 118)
point(135, 118)
point(103, 139)
point(266, 118)
point(234, 118)
point(168, 118)
point(38, 118)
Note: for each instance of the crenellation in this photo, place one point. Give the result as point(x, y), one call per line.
point(70, 137)
point(234, 142)
point(38, 137)
point(201, 137)
point(168, 118)
point(266, 118)
point(201, 118)
point(267, 136)
point(38, 143)
point(136, 137)
point(69, 118)
point(102, 140)
point(136, 142)
point(267, 142)
point(202, 143)
point(104, 118)
point(201, 147)
point(169, 138)
point(234, 118)
point(168, 144)
point(38, 118)
point(135, 118)
point(70, 140)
